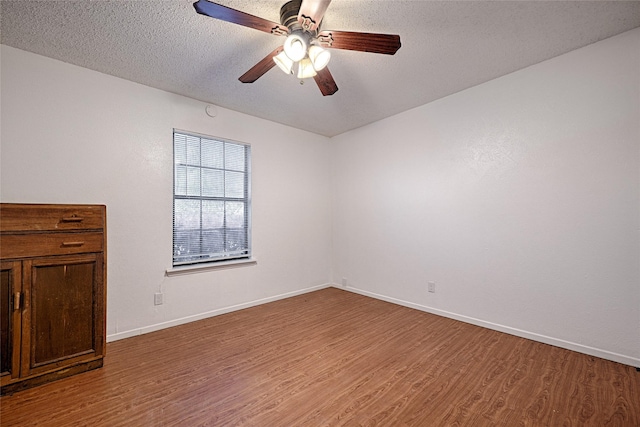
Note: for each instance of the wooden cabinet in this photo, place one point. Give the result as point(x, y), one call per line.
point(53, 292)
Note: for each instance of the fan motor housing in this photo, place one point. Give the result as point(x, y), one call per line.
point(289, 17)
point(289, 13)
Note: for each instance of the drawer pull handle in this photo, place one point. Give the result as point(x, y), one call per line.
point(72, 218)
point(17, 299)
point(67, 244)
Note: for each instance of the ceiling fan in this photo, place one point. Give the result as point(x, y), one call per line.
point(305, 48)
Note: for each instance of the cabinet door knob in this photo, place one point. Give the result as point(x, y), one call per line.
point(67, 244)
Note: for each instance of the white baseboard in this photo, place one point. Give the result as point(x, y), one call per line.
point(205, 315)
point(604, 354)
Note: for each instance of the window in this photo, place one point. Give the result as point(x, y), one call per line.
point(211, 199)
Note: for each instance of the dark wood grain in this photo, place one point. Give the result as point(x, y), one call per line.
point(32, 245)
point(325, 82)
point(258, 70)
point(42, 217)
point(62, 309)
point(53, 271)
point(11, 302)
point(364, 42)
point(334, 358)
point(6, 327)
point(224, 13)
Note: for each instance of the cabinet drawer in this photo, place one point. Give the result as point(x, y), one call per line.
point(34, 245)
point(34, 217)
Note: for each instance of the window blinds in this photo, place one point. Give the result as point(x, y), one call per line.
point(211, 201)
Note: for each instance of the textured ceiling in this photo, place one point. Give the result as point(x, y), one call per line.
point(447, 46)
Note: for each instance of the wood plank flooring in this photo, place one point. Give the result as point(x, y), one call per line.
point(334, 358)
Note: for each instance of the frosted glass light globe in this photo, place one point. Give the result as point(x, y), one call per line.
point(295, 47)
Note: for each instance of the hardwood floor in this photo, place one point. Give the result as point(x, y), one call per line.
point(338, 359)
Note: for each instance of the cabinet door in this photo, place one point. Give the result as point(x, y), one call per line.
point(62, 322)
point(10, 306)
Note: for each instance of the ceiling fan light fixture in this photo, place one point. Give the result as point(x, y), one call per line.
point(295, 47)
point(301, 20)
point(319, 57)
point(305, 69)
point(284, 62)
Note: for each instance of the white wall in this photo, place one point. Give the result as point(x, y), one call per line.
point(71, 135)
point(519, 198)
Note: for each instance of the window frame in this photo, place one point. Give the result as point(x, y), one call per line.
point(221, 261)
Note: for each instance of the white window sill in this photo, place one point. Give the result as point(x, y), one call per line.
point(198, 268)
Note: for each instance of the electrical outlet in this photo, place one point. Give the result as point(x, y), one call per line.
point(344, 282)
point(431, 287)
point(158, 299)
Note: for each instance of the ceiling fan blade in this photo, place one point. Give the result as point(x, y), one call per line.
point(363, 42)
point(311, 13)
point(224, 13)
point(325, 82)
point(260, 68)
